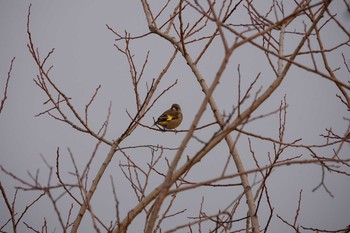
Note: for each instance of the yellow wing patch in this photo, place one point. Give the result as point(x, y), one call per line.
point(165, 122)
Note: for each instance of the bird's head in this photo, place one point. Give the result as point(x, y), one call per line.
point(176, 107)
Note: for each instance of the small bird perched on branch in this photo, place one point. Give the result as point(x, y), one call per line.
point(171, 118)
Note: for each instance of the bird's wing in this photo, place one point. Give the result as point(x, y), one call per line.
point(165, 117)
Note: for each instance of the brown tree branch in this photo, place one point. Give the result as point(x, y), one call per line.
point(2, 103)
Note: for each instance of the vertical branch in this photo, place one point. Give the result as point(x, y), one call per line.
point(9, 207)
point(328, 68)
point(218, 25)
point(281, 50)
point(182, 32)
point(6, 85)
point(93, 188)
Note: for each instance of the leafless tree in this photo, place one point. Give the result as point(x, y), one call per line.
point(192, 29)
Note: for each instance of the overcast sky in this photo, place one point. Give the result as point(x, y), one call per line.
point(85, 57)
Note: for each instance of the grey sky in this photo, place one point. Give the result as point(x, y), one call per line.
point(85, 57)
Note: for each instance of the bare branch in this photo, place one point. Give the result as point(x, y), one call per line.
point(2, 103)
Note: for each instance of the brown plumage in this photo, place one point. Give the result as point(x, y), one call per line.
point(171, 118)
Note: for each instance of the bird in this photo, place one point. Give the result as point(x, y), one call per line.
point(171, 118)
